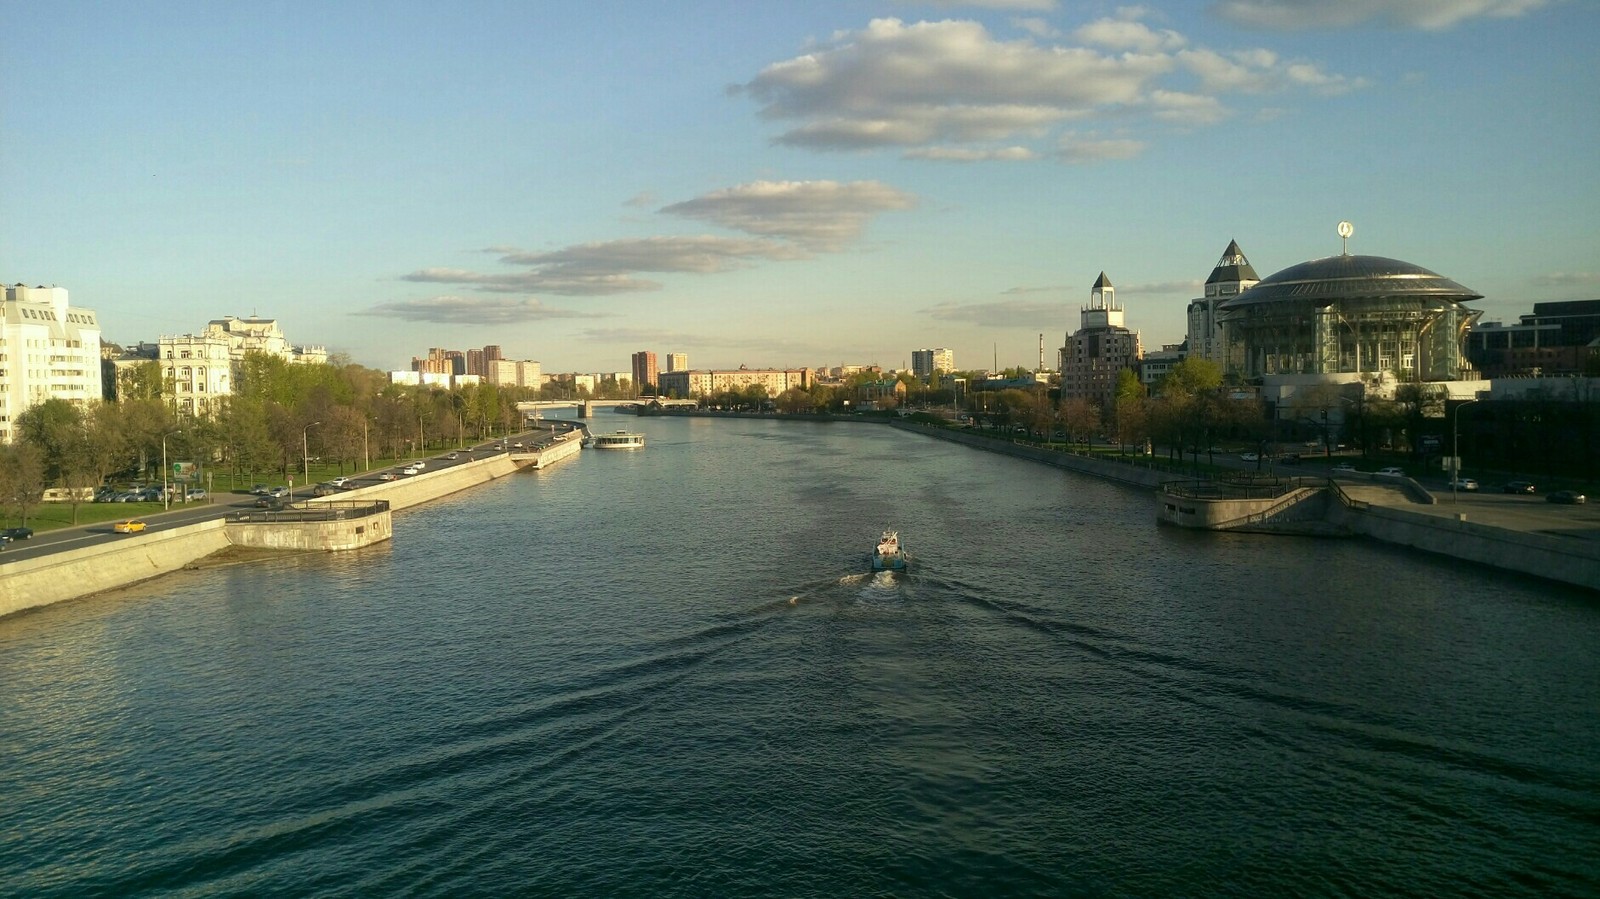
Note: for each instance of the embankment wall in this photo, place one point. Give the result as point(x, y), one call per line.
point(1131, 474)
point(1568, 560)
point(72, 573)
point(416, 489)
point(340, 535)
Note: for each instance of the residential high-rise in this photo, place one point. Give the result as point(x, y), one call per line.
point(1099, 349)
point(644, 373)
point(475, 362)
point(51, 350)
point(925, 362)
point(677, 362)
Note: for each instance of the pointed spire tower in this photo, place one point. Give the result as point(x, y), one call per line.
point(1233, 275)
point(1103, 310)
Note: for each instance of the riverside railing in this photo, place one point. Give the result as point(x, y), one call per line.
point(337, 510)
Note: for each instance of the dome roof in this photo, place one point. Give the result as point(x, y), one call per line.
point(1325, 281)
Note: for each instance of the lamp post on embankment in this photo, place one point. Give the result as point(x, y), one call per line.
point(1455, 451)
point(166, 483)
point(305, 456)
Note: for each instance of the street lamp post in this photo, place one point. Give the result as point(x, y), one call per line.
point(166, 484)
point(1455, 451)
point(305, 455)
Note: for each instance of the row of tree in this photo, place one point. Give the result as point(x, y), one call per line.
point(278, 413)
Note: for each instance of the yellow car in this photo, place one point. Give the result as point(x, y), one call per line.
point(131, 526)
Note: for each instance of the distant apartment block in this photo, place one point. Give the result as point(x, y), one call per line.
point(514, 373)
point(49, 349)
point(202, 368)
point(925, 362)
point(1156, 365)
point(677, 362)
point(689, 384)
point(645, 374)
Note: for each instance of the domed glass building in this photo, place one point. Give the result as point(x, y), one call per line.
point(1351, 316)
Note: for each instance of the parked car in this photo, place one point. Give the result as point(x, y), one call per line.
point(1567, 498)
point(1464, 484)
point(130, 526)
point(1518, 487)
point(195, 493)
point(1391, 472)
point(10, 534)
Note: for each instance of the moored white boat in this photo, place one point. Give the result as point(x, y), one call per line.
point(619, 440)
point(888, 555)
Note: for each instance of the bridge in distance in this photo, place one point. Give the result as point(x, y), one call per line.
point(534, 408)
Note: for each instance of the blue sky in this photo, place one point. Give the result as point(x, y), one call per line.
point(776, 183)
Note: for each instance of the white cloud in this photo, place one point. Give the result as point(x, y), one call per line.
point(1030, 5)
point(965, 154)
point(934, 88)
point(790, 220)
point(1189, 109)
point(817, 215)
point(1126, 34)
point(1036, 26)
point(1431, 15)
point(1081, 149)
point(1002, 314)
point(1567, 279)
point(451, 310)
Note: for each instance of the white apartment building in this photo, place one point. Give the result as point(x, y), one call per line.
point(925, 362)
point(201, 368)
point(693, 383)
point(513, 373)
point(677, 362)
point(48, 350)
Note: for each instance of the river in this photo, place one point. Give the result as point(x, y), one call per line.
point(668, 673)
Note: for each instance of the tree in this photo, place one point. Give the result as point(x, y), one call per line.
point(21, 478)
point(1081, 419)
point(1191, 376)
point(1129, 400)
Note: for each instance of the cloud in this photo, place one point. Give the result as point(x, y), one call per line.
point(598, 269)
point(451, 310)
point(1429, 15)
point(790, 220)
point(1036, 26)
point(816, 215)
point(1567, 279)
point(1049, 288)
point(1129, 34)
point(1029, 5)
point(644, 199)
point(964, 154)
point(930, 88)
point(532, 282)
point(1080, 150)
point(1002, 314)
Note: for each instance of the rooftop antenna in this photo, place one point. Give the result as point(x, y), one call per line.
point(1345, 230)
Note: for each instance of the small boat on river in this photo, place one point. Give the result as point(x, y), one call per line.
point(619, 440)
point(888, 554)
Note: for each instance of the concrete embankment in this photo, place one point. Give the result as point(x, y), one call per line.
point(430, 484)
point(74, 573)
point(1567, 559)
point(80, 572)
point(1130, 473)
point(1570, 560)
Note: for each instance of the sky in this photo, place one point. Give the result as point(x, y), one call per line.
point(777, 184)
